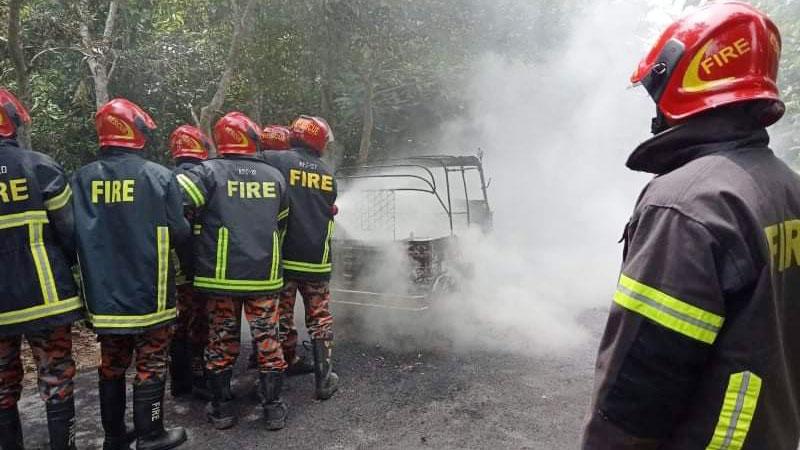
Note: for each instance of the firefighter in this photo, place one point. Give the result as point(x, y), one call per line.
point(243, 206)
point(275, 138)
point(128, 213)
point(40, 299)
point(306, 247)
point(189, 147)
point(702, 346)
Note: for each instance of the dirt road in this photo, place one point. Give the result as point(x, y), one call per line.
point(391, 399)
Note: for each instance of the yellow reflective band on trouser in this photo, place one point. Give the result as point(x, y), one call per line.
point(41, 311)
point(102, 321)
point(60, 200)
point(326, 254)
point(222, 253)
point(283, 214)
point(276, 256)
point(668, 311)
point(738, 409)
point(42, 263)
point(238, 285)
point(191, 189)
point(298, 266)
point(162, 246)
point(197, 229)
point(23, 219)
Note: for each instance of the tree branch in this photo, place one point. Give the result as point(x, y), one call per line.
point(20, 66)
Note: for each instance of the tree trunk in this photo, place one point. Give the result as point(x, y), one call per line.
point(97, 54)
point(20, 65)
point(368, 122)
point(208, 112)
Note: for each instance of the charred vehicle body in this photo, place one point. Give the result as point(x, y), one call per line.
point(396, 242)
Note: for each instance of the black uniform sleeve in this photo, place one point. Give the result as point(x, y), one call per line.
point(179, 227)
point(668, 310)
point(196, 185)
point(57, 196)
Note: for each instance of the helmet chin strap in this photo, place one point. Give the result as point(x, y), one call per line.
point(659, 123)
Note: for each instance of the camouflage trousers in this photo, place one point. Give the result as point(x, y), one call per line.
point(152, 355)
point(192, 324)
point(316, 300)
point(224, 331)
point(52, 351)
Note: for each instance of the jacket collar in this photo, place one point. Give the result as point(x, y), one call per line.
point(681, 144)
point(7, 142)
point(108, 151)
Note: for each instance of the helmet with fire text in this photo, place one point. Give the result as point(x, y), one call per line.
point(721, 54)
point(188, 142)
point(236, 134)
point(122, 123)
point(312, 132)
point(12, 114)
point(276, 137)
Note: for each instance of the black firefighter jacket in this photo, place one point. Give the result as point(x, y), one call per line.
point(128, 214)
point(242, 207)
point(702, 345)
point(184, 252)
point(312, 193)
point(36, 244)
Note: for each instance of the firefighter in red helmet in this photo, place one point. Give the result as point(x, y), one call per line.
point(307, 248)
point(128, 215)
point(244, 207)
point(702, 347)
point(276, 137)
point(40, 299)
point(189, 147)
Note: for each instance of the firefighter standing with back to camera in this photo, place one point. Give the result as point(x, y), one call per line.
point(244, 206)
point(307, 246)
point(128, 213)
point(702, 345)
point(189, 147)
point(39, 296)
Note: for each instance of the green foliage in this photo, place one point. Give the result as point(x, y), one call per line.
point(409, 60)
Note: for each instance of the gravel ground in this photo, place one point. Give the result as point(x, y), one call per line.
point(414, 398)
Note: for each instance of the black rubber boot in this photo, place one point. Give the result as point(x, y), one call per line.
point(10, 429)
point(296, 364)
point(112, 415)
point(326, 381)
point(180, 368)
point(270, 384)
point(148, 418)
point(61, 424)
point(221, 411)
point(200, 388)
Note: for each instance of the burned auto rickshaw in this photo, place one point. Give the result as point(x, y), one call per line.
point(396, 241)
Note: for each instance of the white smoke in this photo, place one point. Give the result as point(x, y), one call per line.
point(556, 134)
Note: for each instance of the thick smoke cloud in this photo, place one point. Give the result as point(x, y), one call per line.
point(556, 133)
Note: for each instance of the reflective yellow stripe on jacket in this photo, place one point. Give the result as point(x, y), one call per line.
point(162, 250)
point(104, 321)
point(668, 311)
point(60, 200)
point(738, 409)
point(306, 267)
point(51, 304)
point(191, 190)
point(221, 281)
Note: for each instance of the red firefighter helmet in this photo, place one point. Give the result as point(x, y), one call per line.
point(122, 123)
point(276, 137)
point(12, 114)
point(188, 142)
point(723, 53)
point(235, 133)
point(312, 132)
